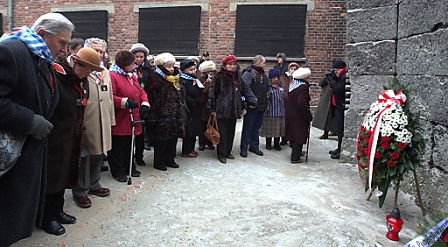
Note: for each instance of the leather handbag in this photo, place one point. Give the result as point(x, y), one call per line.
point(10, 150)
point(212, 130)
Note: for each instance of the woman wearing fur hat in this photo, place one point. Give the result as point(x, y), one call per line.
point(208, 70)
point(224, 101)
point(64, 142)
point(142, 70)
point(194, 100)
point(129, 98)
point(274, 119)
point(299, 113)
point(166, 119)
point(286, 80)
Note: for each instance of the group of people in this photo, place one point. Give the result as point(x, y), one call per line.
point(74, 109)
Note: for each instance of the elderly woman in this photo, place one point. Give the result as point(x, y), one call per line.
point(299, 114)
point(193, 98)
point(64, 142)
point(129, 99)
point(166, 119)
point(208, 70)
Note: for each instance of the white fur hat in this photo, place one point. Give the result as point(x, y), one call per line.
point(139, 47)
point(301, 73)
point(164, 58)
point(207, 66)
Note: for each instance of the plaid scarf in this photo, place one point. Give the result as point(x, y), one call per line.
point(32, 40)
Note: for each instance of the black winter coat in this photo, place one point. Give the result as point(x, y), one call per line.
point(142, 72)
point(25, 90)
point(256, 85)
point(194, 101)
point(166, 118)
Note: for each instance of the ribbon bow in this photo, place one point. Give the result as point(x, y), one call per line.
point(389, 97)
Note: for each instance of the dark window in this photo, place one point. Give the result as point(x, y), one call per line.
point(89, 24)
point(170, 29)
point(1, 24)
point(269, 29)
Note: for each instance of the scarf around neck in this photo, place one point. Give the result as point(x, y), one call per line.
point(191, 78)
point(32, 40)
point(174, 79)
point(295, 84)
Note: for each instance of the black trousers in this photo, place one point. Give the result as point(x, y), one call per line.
point(54, 204)
point(227, 132)
point(296, 151)
point(188, 144)
point(120, 156)
point(164, 152)
point(139, 145)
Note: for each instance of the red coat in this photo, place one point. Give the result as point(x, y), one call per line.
point(124, 89)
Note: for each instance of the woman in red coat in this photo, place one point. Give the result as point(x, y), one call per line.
point(128, 97)
point(299, 114)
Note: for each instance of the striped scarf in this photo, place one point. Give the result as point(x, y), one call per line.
point(170, 78)
point(295, 84)
point(32, 40)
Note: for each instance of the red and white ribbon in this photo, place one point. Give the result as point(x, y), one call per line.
point(390, 98)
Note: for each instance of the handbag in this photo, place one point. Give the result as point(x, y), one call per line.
point(212, 130)
point(10, 150)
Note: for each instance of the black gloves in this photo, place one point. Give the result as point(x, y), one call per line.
point(330, 75)
point(131, 104)
point(40, 127)
point(144, 111)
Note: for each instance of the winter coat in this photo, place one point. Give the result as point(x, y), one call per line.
point(99, 116)
point(337, 84)
point(299, 115)
point(142, 72)
point(256, 84)
point(125, 89)
point(166, 118)
point(194, 101)
point(282, 68)
point(25, 90)
point(323, 118)
point(64, 141)
point(205, 112)
point(225, 95)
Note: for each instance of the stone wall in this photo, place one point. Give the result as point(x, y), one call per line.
point(406, 39)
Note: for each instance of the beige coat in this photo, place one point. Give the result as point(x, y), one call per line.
point(99, 115)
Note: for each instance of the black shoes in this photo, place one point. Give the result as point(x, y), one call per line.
point(201, 147)
point(54, 228)
point(334, 151)
point(104, 168)
point(268, 146)
point(140, 162)
point(162, 168)
point(211, 147)
point(243, 154)
point(278, 148)
point(121, 178)
point(335, 156)
point(173, 165)
point(135, 173)
point(147, 146)
point(64, 218)
point(256, 151)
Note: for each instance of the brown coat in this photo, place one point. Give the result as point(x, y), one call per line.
point(99, 116)
point(299, 115)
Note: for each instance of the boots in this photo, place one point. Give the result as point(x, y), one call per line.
point(277, 143)
point(335, 153)
point(324, 136)
point(268, 143)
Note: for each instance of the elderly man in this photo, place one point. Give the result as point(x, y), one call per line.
point(99, 117)
point(256, 88)
point(28, 97)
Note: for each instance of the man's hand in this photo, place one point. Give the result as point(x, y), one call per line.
point(40, 128)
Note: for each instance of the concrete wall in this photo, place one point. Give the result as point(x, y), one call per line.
point(407, 39)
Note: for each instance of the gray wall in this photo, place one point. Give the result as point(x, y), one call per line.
point(407, 39)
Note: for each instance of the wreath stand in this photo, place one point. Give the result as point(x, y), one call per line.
point(396, 193)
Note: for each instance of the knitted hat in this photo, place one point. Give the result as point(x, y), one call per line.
point(164, 58)
point(338, 64)
point(193, 58)
point(282, 55)
point(186, 64)
point(273, 73)
point(139, 47)
point(207, 66)
point(293, 64)
point(301, 73)
point(228, 59)
point(89, 58)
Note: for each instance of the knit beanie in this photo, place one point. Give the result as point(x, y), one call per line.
point(139, 47)
point(273, 73)
point(228, 59)
point(282, 55)
point(338, 64)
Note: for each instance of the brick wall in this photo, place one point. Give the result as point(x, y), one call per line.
point(325, 35)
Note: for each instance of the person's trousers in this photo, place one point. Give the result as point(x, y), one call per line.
point(227, 136)
point(251, 130)
point(296, 151)
point(119, 156)
point(139, 146)
point(188, 144)
point(54, 204)
point(164, 152)
point(89, 175)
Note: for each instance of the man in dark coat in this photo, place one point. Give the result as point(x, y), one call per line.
point(256, 88)
point(28, 96)
point(323, 118)
point(337, 84)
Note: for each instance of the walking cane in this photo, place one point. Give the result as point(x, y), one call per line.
point(307, 144)
point(133, 123)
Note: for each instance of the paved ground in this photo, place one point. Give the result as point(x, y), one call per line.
point(252, 202)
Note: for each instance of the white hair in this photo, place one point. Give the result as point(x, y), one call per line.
point(53, 23)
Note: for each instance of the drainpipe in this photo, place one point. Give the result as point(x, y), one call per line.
point(10, 15)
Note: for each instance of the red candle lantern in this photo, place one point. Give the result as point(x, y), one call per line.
point(394, 224)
